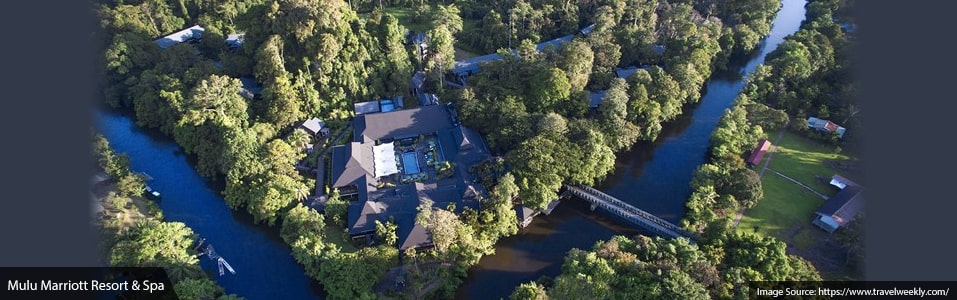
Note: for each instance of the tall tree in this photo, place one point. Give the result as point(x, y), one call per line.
point(576, 59)
point(442, 56)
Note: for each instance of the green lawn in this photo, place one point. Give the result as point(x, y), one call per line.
point(803, 159)
point(404, 14)
point(337, 235)
point(786, 203)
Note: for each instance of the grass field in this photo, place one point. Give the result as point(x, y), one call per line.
point(404, 14)
point(803, 159)
point(338, 236)
point(785, 203)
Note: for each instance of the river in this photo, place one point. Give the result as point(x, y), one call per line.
point(651, 176)
point(265, 268)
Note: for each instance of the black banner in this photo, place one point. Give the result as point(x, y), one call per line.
point(852, 289)
point(85, 283)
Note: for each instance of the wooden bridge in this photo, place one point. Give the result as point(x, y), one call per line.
point(630, 213)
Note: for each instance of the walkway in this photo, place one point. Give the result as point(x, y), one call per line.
point(624, 210)
point(318, 199)
point(799, 183)
point(774, 145)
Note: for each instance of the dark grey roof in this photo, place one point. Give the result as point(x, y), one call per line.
point(524, 212)
point(194, 32)
point(413, 235)
point(250, 88)
point(428, 99)
point(470, 66)
point(594, 98)
point(418, 80)
point(472, 148)
point(350, 163)
point(367, 107)
point(235, 40)
point(402, 123)
point(844, 205)
point(554, 43)
point(363, 214)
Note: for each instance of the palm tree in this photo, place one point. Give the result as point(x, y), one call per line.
point(852, 112)
point(302, 192)
point(298, 138)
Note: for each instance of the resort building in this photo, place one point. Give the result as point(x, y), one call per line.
point(397, 160)
point(842, 208)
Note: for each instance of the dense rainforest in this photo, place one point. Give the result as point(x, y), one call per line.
point(316, 58)
point(809, 73)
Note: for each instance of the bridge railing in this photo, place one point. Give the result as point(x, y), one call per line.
point(589, 192)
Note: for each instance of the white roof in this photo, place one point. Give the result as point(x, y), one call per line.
point(838, 183)
point(180, 36)
point(384, 157)
point(367, 107)
point(830, 221)
point(314, 125)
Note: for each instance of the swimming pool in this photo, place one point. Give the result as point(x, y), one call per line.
point(410, 164)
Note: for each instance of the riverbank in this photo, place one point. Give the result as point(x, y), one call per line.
point(134, 233)
point(652, 176)
point(264, 267)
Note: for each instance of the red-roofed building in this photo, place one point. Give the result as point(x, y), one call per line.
point(825, 126)
point(758, 153)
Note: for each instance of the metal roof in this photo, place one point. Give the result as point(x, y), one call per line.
point(313, 126)
point(594, 98)
point(235, 40)
point(194, 32)
point(367, 107)
point(401, 123)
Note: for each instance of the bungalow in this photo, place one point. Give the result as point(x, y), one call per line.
point(418, 81)
point(189, 34)
point(758, 153)
point(235, 40)
point(842, 208)
point(525, 214)
point(251, 89)
point(594, 98)
point(825, 126)
point(315, 127)
point(467, 67)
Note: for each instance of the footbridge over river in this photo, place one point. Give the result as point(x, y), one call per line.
point(629, 213)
